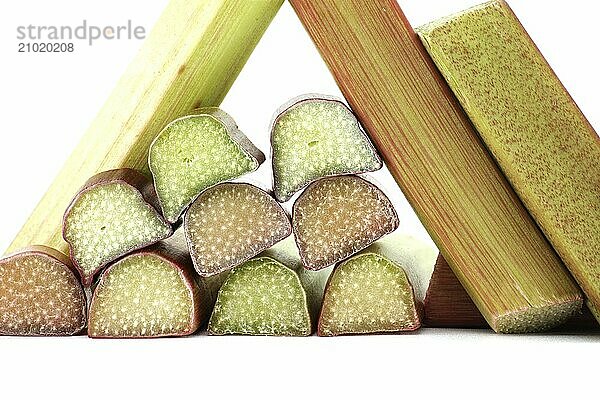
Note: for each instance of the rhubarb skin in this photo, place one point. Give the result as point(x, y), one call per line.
point(48, 315)
point(142, 187)
point(165, 255)
point(447, 304)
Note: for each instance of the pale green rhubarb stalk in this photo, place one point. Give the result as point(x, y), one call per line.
point(189, 60)
point(315, 136)
point(230, 223)
point(195, 152)
point(114, 214)
point(40, 295)
point(368, 293)
point(150, 293)
point(335, 217)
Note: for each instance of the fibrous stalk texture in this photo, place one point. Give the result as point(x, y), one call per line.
point(314, 137)
point(368, 294)
point(145, 294)
point(183, 64)
point(336, 217)
point(231, 223)
point(196, 152)
point(40, 294)
point(448, 305)
point(545, 146)
point(437, 158)
point(109, 218)
point(261, 297)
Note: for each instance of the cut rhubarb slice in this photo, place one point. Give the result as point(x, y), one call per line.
point(417, 258)
point(40, 294)
point(112, 215)
point(313, 282)
point(261, 297)
point(368, 294)
point(196, 152)
point(338, 216)
point(151, 293)
point(231, 223)
point(314, 137)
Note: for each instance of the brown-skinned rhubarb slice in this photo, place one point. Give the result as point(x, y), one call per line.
point(261, 297)
point(150, 293)
point(196, 152)
point(230, 223)
point(315, 136)
point(336, 217)
point(40, 295)
point(112, 215)
point(368, 294)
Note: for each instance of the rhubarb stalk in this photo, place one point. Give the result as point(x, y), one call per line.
point(431, 148)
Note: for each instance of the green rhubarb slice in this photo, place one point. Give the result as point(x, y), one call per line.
point(316, 137)
point(107, 221)
point(261, 297)
point(368, 294)
point(40, 295)
point(417, 257)
point(313, 282)
point(231, 223)
point(336, 217)
point(195, 152)
point(144, 295)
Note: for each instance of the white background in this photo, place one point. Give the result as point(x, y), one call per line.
point(48, 100)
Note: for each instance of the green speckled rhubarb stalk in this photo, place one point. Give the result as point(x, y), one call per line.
point(545, 146)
